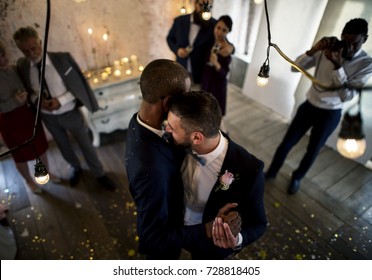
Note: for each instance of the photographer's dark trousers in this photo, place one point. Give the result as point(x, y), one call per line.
point(322, 123)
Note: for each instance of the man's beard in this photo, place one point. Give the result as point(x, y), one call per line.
point(185, 144)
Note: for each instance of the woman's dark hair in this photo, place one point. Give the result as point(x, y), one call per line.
point(227, 21)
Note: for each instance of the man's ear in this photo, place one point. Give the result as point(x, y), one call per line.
point(365, 38)
point(197, 137)
point(166, 102)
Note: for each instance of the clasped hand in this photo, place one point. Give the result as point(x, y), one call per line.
point(50, 104)
point(21, 97)
point(226, 227)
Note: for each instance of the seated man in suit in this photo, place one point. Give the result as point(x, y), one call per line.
point(153, 168)
point(224, 173)
point(65, 90)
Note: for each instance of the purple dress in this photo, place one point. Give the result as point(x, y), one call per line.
point(216, 82)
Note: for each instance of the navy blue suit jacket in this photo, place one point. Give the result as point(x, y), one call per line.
point(155, 183)
point(70, 74)
point(178, 37)
point(247, 190)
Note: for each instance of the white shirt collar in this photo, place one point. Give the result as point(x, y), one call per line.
point(210, 157)
point(156, 131)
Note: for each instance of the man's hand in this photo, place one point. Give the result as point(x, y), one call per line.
point(21, 97)
point(335, 57)
point(51, 104)
point(222, 235)
point(231, 218)
point(322, 44)
point(183, 52)
point(234, 221)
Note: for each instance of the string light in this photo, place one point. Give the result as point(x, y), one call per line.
point(41, 173)
point(183, 9)
point(351, 142)
point(206, 8)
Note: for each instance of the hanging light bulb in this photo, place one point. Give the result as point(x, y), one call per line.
point(183, 9)
point(206, 8)
point(41, 173)
point(351, 148)
point(351, 142)
point(263, 75)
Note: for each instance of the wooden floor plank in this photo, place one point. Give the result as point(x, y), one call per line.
point(350, 183)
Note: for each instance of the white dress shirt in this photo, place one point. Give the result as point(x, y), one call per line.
point(354, 72)
point(199, 180)
point(56, 87)
point(194, 30)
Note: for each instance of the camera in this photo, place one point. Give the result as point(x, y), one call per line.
point(336, 45)
point(216, 48)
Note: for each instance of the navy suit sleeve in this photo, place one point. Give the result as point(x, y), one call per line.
point(253, 209)
point(178, 36)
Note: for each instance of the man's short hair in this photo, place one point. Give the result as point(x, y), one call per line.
point(23, 33)
point(198, 111)
point(356, 26)
point(162, 77)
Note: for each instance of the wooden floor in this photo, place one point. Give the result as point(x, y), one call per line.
point(329, 218)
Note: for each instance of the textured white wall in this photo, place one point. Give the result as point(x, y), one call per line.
point(135, 27)
point(293, 26)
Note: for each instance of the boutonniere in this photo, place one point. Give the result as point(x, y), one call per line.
point(226, 180)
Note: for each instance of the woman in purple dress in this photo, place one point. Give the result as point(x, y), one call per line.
point(217, 66)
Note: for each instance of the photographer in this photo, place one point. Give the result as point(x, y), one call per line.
point(343, 67)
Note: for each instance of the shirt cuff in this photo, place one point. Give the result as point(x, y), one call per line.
point(65, 98)
point(238, 245)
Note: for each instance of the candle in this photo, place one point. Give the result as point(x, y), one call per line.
point(108, 70)
point(116, 63)
point(104, 76)
point(133, 58)
point(105, 38)
point(124, 60)
point(90, 32)
point(117, 73)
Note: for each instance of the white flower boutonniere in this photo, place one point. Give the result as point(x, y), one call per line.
point(226, 180)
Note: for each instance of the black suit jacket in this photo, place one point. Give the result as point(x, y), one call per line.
point(155, 183)
point(71, 75)
point(178, 37)
point(247, 190)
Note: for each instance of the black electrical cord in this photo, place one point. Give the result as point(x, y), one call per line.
point(42, 83)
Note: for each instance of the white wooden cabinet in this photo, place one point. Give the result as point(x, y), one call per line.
point(118, 100)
